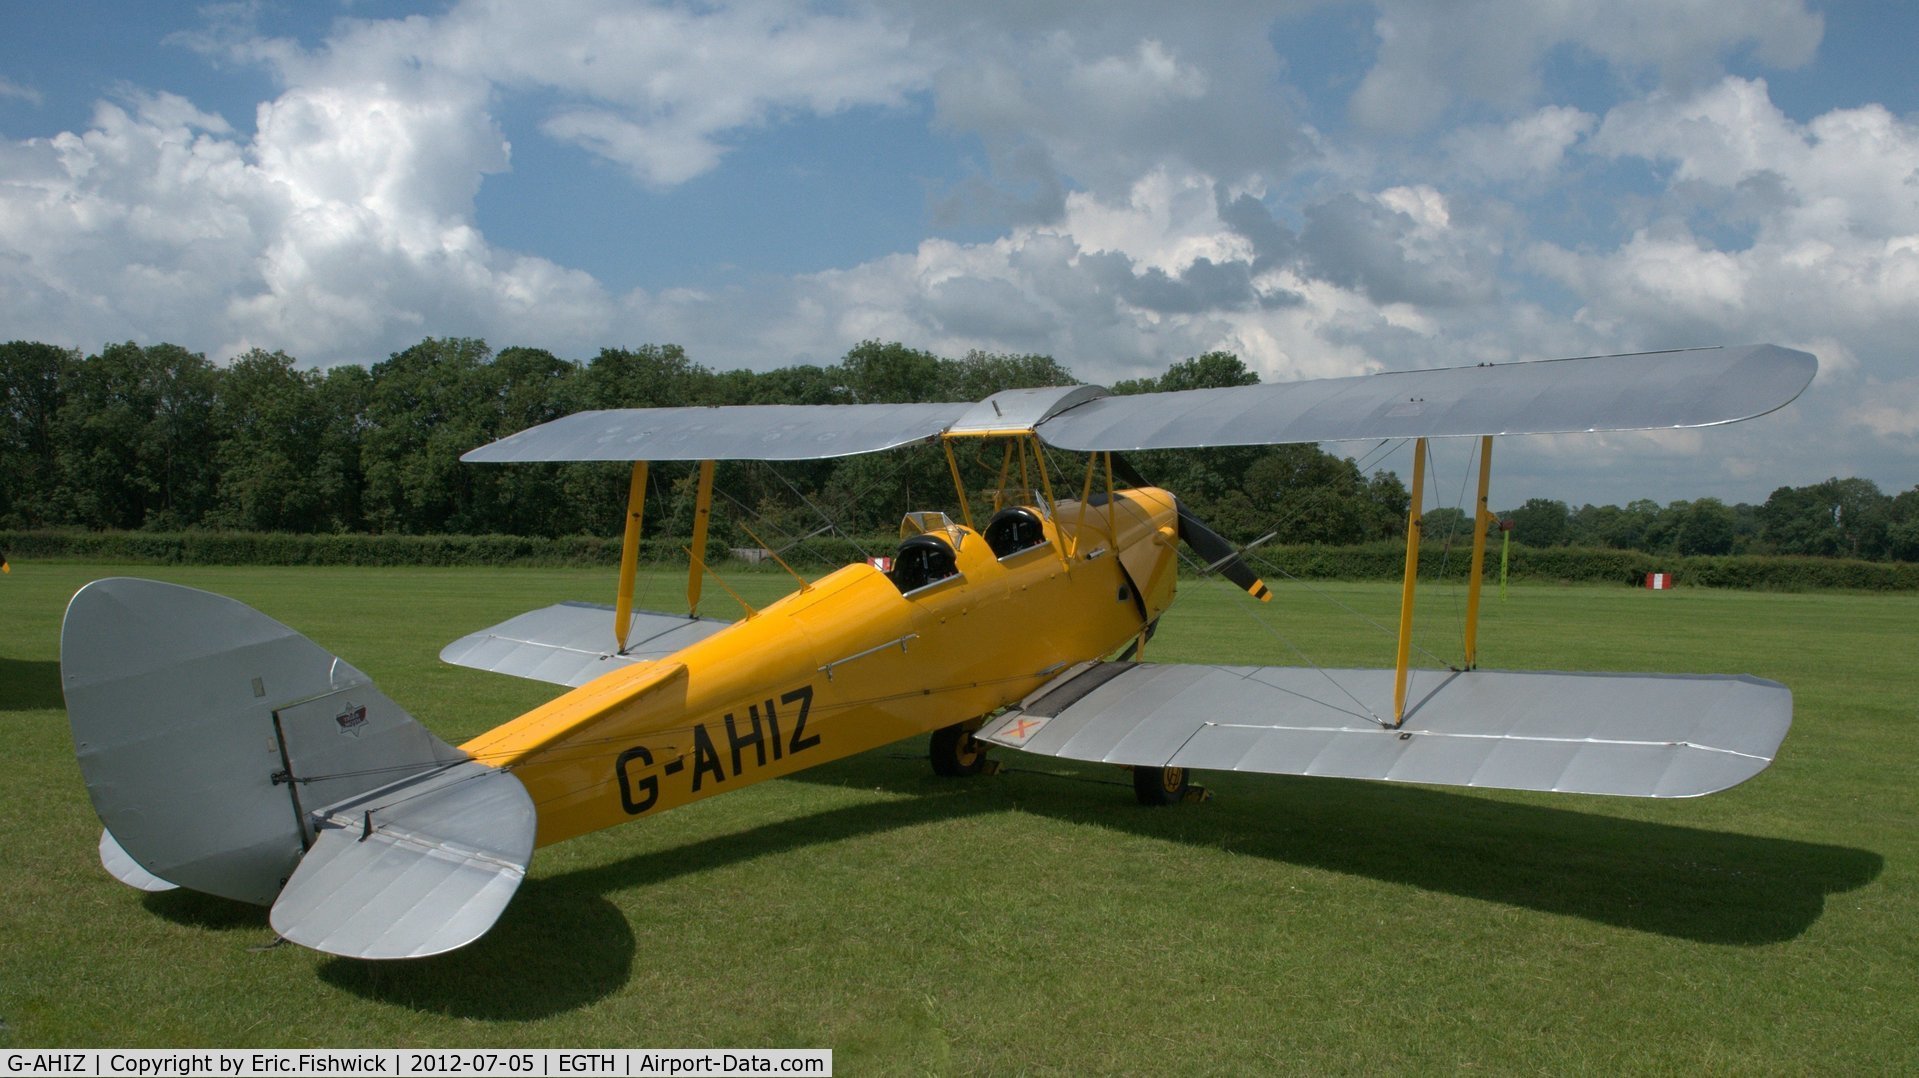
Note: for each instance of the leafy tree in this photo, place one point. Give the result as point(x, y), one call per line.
point(982, 374)
point(799, 384)
point(157, 437)
point(1210, 482)
point(33, 377)
point(1445, 521)
point(137, 439)
point(1707, 526)
point(1611, 526)
point(877, 373)
point(1315, 497)
point(875, 490)
point(343, 396)
point(1213, 370)
point(275, 428)
point(1661, 525)
point(1902, 526)
point(427, 405)
point(1541, 522)
point(650, 376)
point(1390, 502)
point(527, 387)
point(1842, 517)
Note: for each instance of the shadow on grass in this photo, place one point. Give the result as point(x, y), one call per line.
point(1684, 882)
point(557, 947)
point(209, 912)
point(27, 685)
point(560, 945)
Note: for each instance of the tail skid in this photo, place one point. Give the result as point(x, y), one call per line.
point(224, 752)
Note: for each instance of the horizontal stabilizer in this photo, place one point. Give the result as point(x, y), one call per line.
point(121, 866)
point(572, 643)
point(1641, 735)
point(417, 868)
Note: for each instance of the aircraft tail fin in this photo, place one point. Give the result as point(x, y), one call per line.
point(121, 866)
point(219, 748)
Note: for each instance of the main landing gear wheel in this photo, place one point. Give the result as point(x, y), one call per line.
point(956, 752)
point(1161, 785)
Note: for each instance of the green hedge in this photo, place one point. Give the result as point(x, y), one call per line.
point(1387, 561)
point(1371, 561)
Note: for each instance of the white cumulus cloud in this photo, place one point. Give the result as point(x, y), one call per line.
point(1432, 56)
point(1144, 187)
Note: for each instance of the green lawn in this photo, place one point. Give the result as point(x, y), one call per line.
point(1039, 921)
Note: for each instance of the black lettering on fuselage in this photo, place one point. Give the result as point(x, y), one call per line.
point(640, 790)
point(648, 786)
point(773, 726)
point(804, 695)
point(705, 757)
point(757, 738)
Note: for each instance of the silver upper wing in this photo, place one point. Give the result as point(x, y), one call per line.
point(1692, 388)
point(1639, 735)
point(730, 432)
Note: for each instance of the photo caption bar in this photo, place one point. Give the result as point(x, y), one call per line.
point(433, 1062)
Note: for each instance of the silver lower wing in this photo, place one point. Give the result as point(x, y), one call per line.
point(572, 643)
point(1636, 735)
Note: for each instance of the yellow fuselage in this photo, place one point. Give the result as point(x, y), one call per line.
point(844, 665)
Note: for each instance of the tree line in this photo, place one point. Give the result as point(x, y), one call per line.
point(1839, 518)
point(158, 438)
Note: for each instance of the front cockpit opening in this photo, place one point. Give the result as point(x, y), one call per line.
point(1013, 529)
point(922, 560)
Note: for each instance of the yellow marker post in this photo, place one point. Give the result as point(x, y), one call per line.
point(702, 510)
point(1482, 516)
point(1412, 578)
point(629, 553)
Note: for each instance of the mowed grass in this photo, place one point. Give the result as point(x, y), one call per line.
point(1037, 920)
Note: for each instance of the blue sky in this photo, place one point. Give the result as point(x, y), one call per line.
point(1321, 188)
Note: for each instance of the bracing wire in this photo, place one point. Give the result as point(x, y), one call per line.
point(1386, 447)
point(821, 513)
point(1363, 713)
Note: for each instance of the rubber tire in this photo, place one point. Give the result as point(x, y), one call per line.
point(956, 753)
point(1155, 786)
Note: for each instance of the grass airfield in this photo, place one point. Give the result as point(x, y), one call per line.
point(1037, 920)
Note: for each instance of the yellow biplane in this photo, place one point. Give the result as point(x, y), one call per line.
point(228, 754)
